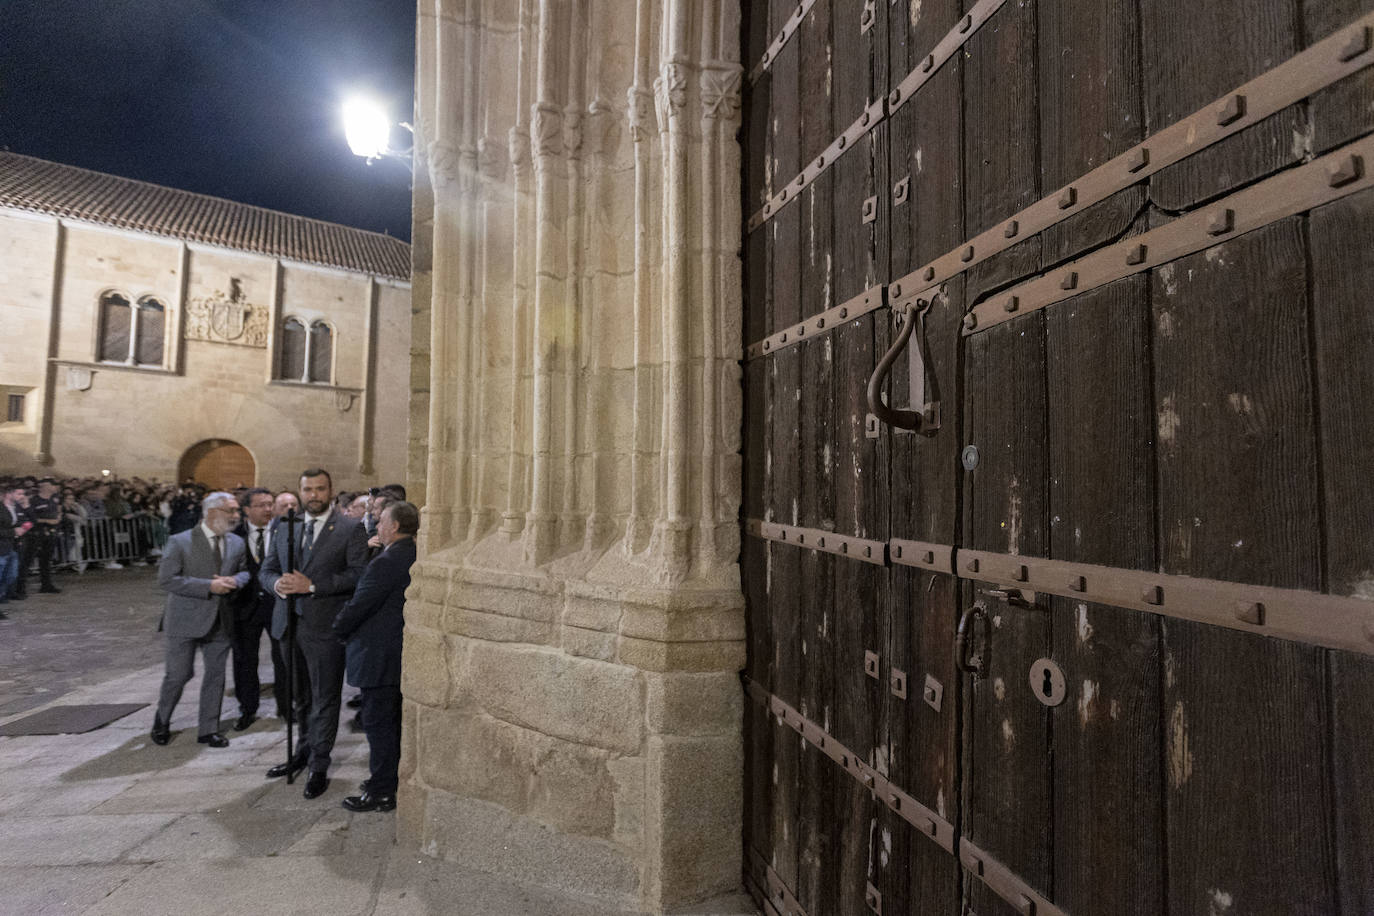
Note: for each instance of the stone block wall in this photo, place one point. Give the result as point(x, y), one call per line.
point(575, 627)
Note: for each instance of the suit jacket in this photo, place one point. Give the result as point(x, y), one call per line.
point(10, 519)
point(188, 564)
point(337, 560)
point(253, 603)
point(372, 620)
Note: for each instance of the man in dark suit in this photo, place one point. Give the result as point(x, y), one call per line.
point(253, 614)
point(198, 567)
point(331, 557)
point(371, 624)
point(11, 528)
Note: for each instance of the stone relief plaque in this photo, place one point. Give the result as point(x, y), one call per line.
point(227, 318)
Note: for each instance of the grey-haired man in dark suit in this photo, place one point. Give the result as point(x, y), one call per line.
point(198, 567)
point(330, 557)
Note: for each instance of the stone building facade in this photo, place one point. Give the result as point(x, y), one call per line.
point(575, 628)
point(145, 327)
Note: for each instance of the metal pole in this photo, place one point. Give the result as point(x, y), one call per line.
point(290, 649)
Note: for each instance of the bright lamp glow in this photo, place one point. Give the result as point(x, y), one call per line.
point(366, 127)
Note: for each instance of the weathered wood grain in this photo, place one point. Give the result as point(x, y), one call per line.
point(1346, 110)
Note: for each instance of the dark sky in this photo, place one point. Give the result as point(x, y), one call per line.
point(236, 98)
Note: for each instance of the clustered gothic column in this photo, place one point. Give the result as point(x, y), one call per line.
point(575, 626)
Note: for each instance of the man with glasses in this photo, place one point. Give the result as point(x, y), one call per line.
point(198, 567)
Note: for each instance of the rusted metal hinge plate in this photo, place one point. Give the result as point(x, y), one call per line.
point(1004, 883)
point(789, 28)
point(923, 555)
point(864, 550)
point(868, 301)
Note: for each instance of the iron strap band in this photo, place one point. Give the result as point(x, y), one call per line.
point(999, 879)
point(789, 28)
point(777, 896)
point(1341, 54)
point(1295, 190)
point(1296, 615)
point(875, 113)
point(926, 821)
point(870, 300)
point(866, 551)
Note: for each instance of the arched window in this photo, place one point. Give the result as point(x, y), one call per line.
point(114, 329)
point(293, 351)
point(307, 354)
point(321, 352)
point(149, 332)
point(131, 335)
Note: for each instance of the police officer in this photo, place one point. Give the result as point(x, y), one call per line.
point(45, 511)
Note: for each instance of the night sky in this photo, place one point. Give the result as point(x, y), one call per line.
point(235, 98)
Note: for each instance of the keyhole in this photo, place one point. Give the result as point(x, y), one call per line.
point(1047, 688)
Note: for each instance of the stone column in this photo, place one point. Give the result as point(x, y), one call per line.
point(572, 703)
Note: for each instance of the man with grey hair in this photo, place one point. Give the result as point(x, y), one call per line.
point(198, 567)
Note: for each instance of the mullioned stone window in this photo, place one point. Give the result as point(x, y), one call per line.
point(134, 335)
point(307, 354)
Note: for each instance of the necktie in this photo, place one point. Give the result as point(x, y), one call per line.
point(308, 542)
point(219, 555)
point(258, 547)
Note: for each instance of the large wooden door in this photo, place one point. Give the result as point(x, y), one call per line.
point(220, 464)
point(1139, 237)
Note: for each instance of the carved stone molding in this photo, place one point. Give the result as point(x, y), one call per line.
point(546, 129)
point(602, 128)
point(445, 165)
point(518, 141)
point(492, 158)
point(641, 102)
point(572, 132)
point(720, 91)
point(343, 400)
point(79, 378)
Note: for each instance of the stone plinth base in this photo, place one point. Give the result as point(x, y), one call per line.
point(577, 734)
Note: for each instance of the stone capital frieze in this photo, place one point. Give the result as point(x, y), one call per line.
point(720, 91)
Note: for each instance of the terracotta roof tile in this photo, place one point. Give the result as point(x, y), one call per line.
point(27, 183)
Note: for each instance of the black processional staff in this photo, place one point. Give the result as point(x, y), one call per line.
point(290, 649)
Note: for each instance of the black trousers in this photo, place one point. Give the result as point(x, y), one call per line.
point(324, 660)
point(247, 685)
point(382, 725)
point(300, 693)
point(37, 543)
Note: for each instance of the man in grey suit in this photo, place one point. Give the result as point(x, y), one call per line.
point(198, 567)
point(331, 556)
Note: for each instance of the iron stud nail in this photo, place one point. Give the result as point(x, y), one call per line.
point(843, 141)
point(767, 208)
point(1068, 198)
point(894, 96)
point(1069, 280)
point(801, 330)
point(928, 64)
point(1152, 594)
point(1369, 627)
point(820, 322)
point(1011, 304)
point(965, 24)
point(967, 254)
point(1078, 584)
point(1344, 170)
point(929, 274)
point(1136, 254)
point(1026, 906)
point(1231, 110)
point(1250, 612)
point(930, 694)
point(895, 801)
point(844, 547)
point(931, 827)
point(864, 118)
point(1012, 227)
point(767, 344)
point(970, 321)
point(868, 551)
point(844, 313)
point(897, 551)
point(1356, 43)
point(1020, 574)
point(1221, 221)
point(783, 338)
point(801, 10)
point(783, 194)
point(896, 289)
point(1140, 157)
point(973, 565)
point(929, 556)
point(975, 865)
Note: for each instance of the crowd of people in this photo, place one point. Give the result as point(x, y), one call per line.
point(324, 574)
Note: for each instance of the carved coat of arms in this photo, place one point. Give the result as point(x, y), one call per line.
point(227, 318)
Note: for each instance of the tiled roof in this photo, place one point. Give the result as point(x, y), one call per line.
point(27, 183)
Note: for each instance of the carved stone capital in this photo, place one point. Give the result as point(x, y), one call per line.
point(546, 129)
point(518, 140)
point(670, 93)
point(492, 158)
point(572, 132)
point(602, 128)
point(445, 165)
point(640, 112)
point(720, 91)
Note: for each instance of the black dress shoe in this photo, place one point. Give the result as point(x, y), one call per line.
point(244, 721)
point(162, 733)
point(50, 590)
point(316, 784)
point(292, 768)
point(369, 802)
point(215, 740)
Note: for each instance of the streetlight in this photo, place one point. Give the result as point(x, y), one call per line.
point(368, 130)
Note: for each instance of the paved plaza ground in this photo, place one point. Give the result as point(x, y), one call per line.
point(108, 823)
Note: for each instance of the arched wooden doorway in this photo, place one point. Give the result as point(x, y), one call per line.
point(218, 463)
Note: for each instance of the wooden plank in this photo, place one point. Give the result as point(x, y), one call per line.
point(1247, 793)
point(1106, 734)
point(1001, 138)
point(1346, 110)
point(1090, 112)
point(1194, 52)
point(1006, 791)
point(1342, 259)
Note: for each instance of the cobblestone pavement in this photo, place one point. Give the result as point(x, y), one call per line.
point(102, 625)
point(106, 822)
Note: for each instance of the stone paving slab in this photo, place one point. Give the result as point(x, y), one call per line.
point(79, 839)
point(51, 890)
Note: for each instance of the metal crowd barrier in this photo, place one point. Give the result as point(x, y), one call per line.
point(102, 540)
